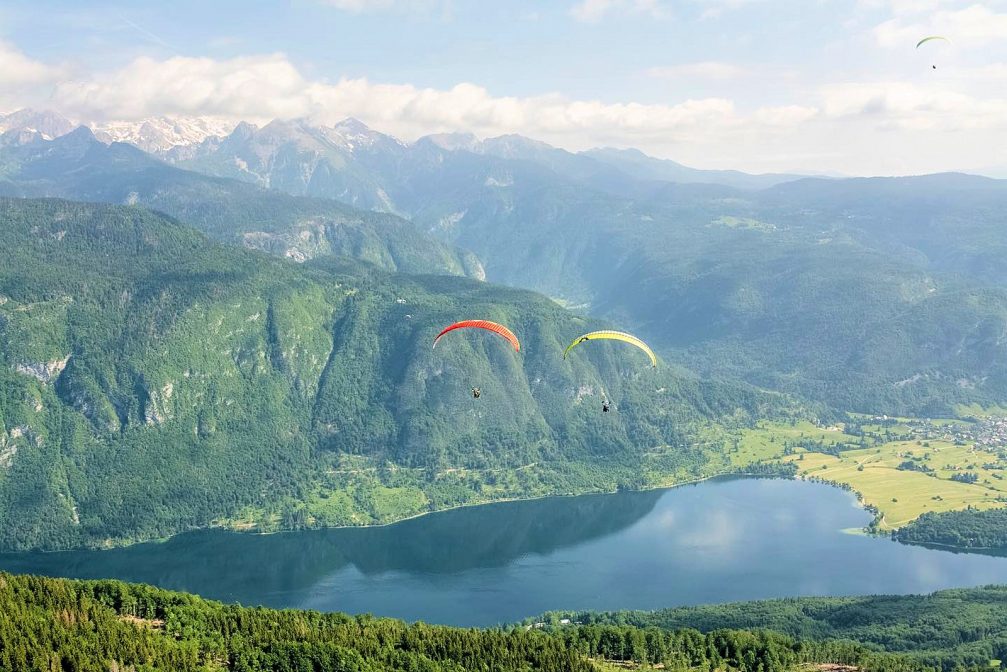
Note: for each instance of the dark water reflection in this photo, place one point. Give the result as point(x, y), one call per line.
point(713, 542)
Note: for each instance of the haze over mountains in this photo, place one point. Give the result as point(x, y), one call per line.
point(180, 139)
point(870, 294)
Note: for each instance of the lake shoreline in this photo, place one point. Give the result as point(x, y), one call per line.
point(724, 539)
point(423, 514)
point(861, 503)
point(266, 533)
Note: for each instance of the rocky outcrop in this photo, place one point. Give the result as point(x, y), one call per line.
point(45, 372)
point(11, 441)
point(156, 411)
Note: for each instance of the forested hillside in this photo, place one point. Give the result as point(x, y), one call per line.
point(770, 287)
point(945, 629)
point(154, 381)
point(56, 624)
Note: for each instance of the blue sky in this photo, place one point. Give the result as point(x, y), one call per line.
point(816, 85)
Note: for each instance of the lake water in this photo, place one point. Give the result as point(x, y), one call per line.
point(717, 541)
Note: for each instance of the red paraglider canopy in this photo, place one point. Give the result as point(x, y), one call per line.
point(483, 324)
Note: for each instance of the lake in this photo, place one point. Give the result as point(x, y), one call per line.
point(716, 541)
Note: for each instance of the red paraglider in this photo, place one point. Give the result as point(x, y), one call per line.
point(498, 329)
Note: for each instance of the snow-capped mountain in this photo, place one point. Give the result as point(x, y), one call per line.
point(28, 123)
point(162, 135)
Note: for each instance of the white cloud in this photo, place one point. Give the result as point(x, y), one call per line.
point(256, 86)
point(853, 127)
point(902, 7)
point(700, 70)
point(263, 87)
point(913, 107)
point(592, 11)
point(410, 112)
point(866, 127)
point(714, 9)
point(18, 70)
point(23, 80)
point(970, 27)
point(788, 116)
point(990, 73)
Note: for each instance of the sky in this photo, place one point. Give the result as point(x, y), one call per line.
point(816, 86)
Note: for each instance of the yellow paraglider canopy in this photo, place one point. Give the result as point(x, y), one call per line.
point(615, 336)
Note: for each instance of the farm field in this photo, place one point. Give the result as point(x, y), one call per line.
point(896, 467)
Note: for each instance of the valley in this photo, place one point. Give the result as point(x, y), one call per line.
point(452, 336)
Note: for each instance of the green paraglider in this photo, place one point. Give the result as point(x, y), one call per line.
point(931, 38)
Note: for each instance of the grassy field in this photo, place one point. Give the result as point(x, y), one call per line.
point(900, 496)
point(977, 411)
point(901, 476)
point(769, 440)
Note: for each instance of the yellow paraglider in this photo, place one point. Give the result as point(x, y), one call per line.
point(614, 336)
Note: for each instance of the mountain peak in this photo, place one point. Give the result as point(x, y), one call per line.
point(159, 135)
point(244, 129)
point(46, 123)
point(354, 126)
point(80, 134)
point(452, 141)
point(355, 134)
point(516, 139)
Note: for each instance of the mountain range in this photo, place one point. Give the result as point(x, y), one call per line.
point(78, 166)
point(868, 294)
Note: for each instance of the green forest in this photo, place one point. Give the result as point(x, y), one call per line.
point(155, 381)
point(968, 528)
point(950, 628)
point(58, 625)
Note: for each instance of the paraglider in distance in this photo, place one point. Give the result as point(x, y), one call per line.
point(931, 38)
point(615, 336)
point(498, 329)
